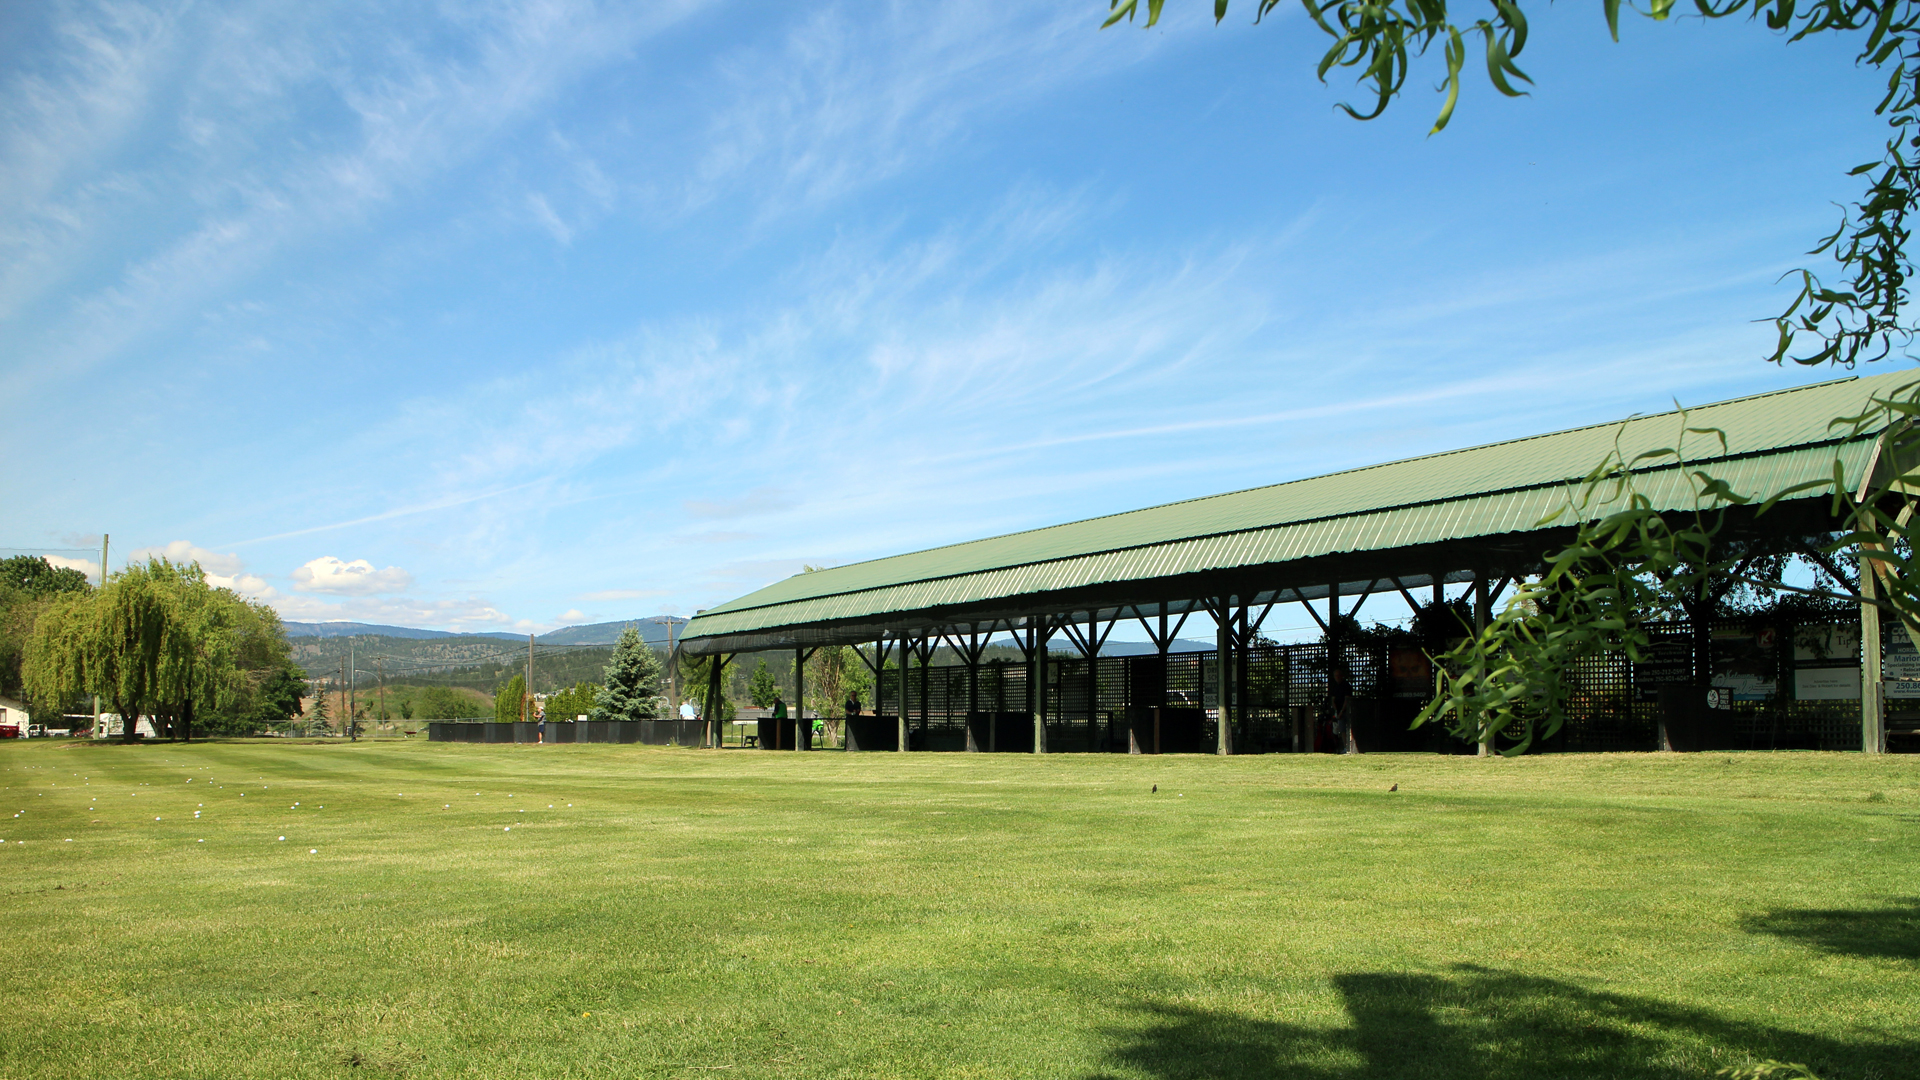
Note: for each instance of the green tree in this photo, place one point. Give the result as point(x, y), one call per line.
point(444, 703)
point(260, 684)
point(36, 577)
point(156, 641)
point(575, 701)
point(632, 682)
point(696, 679)
point(118, 643)
point(269, 702)
point(320, 714)
point(28, 583)
point(510, 700)
point(406, 709)
point(761, 689)
point(833, 672)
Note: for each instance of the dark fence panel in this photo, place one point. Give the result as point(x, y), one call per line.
point(869, 732)
point(1774, 687)
point(1735, 684)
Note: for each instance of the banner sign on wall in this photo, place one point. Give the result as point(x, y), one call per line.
point(1900, 666)
point(1826, 683)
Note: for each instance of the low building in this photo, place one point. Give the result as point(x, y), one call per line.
point(13, 719)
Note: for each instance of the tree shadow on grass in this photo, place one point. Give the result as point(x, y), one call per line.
point(1889, 933)
point(1480, 1024)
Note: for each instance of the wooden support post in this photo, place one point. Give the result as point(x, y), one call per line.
point(712, 710)
point(1482, 615)
point(1223, 675)
point(1162, 642)
point(1242, 650)
point(1286, 696)
point(926, 706)
point(673, 679)
point(1873, 713)
point(799, 710)
point(1093, 683)
point(973, 687)
point(999, 704)
point(1039, 684)
point(906, 654)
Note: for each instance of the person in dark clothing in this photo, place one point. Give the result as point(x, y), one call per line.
point(1340, 708)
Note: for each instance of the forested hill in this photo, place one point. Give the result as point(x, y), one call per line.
point(653, 629)
point(356, 629)
point(480, 663)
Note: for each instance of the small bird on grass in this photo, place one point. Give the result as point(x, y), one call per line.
point(1156, 789)
point(1395, 787)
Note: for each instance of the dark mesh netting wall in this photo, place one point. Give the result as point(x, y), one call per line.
point(1734, 685)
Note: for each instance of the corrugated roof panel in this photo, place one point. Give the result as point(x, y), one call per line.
point(1504, 488)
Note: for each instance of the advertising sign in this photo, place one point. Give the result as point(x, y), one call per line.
point(1900, 665)
point(1668, 662)
point(1744, 662)
point(1826, 645)
point(1826, 683)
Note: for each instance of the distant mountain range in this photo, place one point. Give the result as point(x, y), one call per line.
point(653, 629)
point(1061, 645)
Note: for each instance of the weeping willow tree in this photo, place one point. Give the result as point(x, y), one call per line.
point(1629, 556)
point(156, 641)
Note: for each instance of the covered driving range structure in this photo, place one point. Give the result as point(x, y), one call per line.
point(1474, 519)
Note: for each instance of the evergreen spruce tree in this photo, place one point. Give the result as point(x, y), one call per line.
point(632, 682)
point(320, 714)
point(506, 703)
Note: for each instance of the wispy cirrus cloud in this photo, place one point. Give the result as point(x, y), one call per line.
point(851, 96)
point(604, 595)
point(761, 500)
point(376, 122)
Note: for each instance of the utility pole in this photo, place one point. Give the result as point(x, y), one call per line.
point(380, 667)
point(353, 700)
point(346, 717)
point(97, 730)
point(526, 699)
point(673, 673)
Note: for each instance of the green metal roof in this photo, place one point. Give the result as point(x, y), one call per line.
point(1293, 537)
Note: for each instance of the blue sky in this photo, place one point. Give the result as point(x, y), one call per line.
point(502, 316)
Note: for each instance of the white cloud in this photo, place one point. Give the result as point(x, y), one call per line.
point(327, 574)
point(251, 586)
point(462, 614)
point(571, 615)
point(89, 567)
point(181, 552)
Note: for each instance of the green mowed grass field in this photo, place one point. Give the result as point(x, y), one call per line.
point(612, 911)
